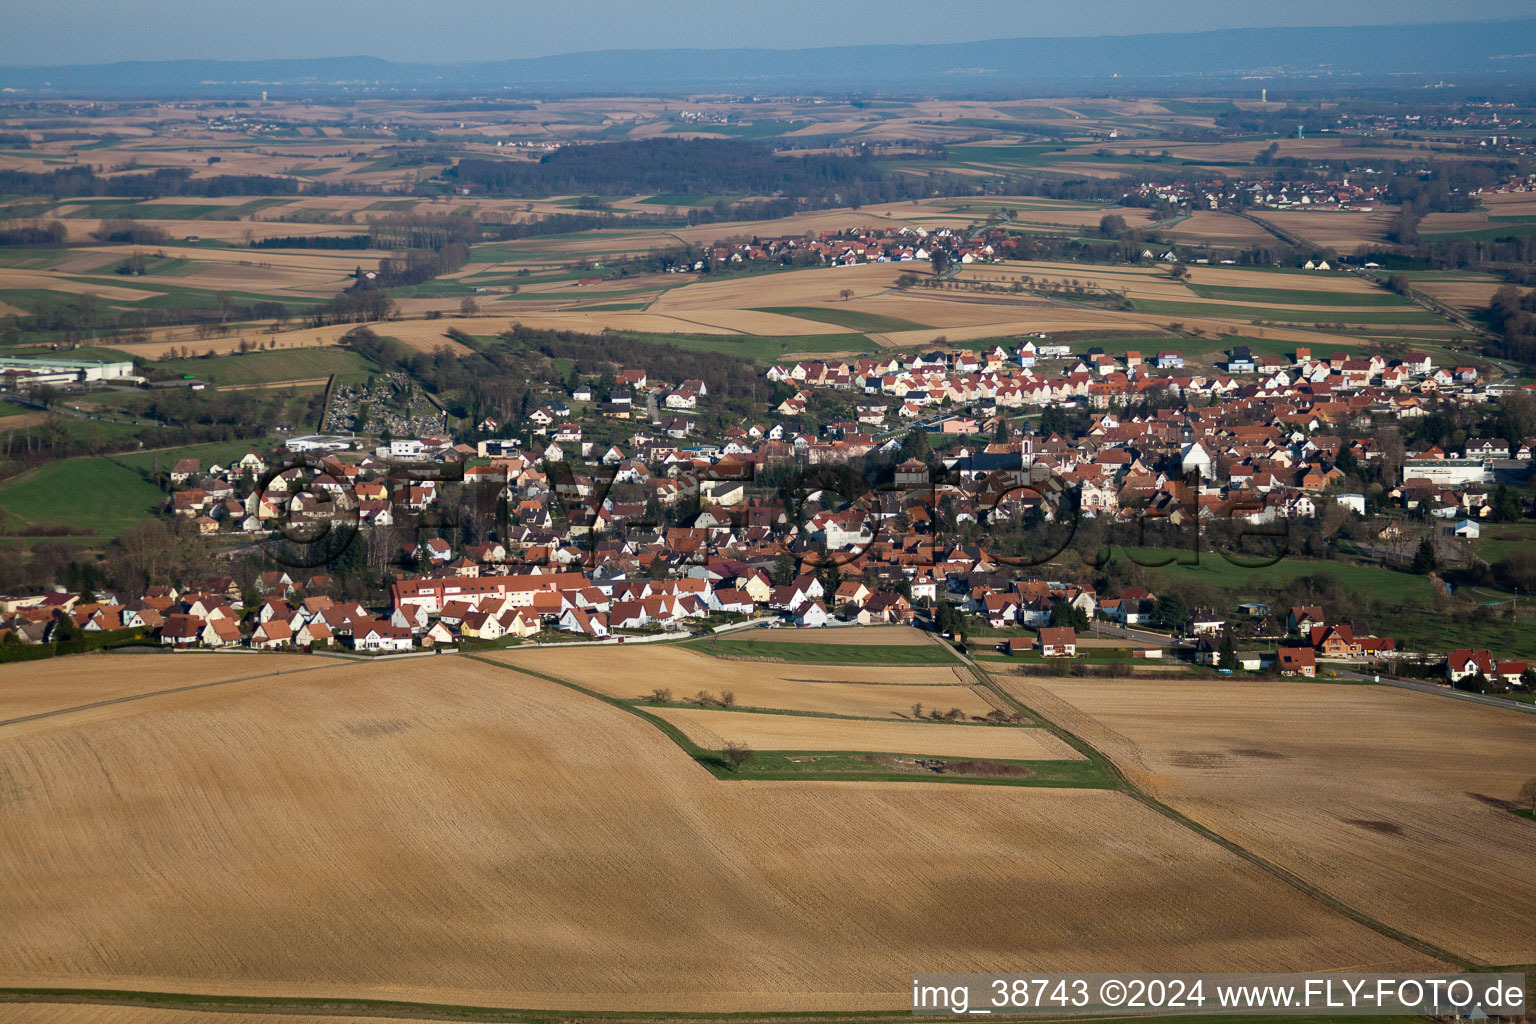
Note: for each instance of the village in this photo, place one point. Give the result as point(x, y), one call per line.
point(669, 532)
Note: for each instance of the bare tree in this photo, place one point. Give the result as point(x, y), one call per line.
point(660, 695)
point(846, 294)
point(728, 698)
point(1528, 794)
point(736, 755)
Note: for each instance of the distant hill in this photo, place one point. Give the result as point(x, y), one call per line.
point(1404, 56)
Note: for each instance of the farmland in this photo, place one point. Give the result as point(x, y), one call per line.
point(1333, 783)
point(864, 691)
point(714, 729)
point(92, 494)
point(598, 867)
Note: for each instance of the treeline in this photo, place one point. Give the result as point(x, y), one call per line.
point(77, 317)
point(423, 230)
point(417, 266)
point(69, 182)
point(1512, 254)
point(51, 233)
point(353, 306)
point(699, 166)
point(1513, 314)
point(312, 242)
point(130, 232)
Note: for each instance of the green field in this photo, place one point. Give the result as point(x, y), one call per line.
point(843, 765)
point(679, 199)
point(1212, 568)
point(1502, 227)
point(762, 349)
point(1282, 296)
point(826, 654)
point(277, 365)
point(216, 452)
point(93, 493)
point(853, 319)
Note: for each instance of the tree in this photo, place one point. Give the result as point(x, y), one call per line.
point(1112, 225)
point(915, 445)
point(64, 628)
point(1001, 435)
point(1065, 613)
point(1528, 794)
point(845, 294)
point(1425, 561)
point(1506, 505)
point(1226, 655)
point(940, 261)
point(1170, 612)
point(736, 755)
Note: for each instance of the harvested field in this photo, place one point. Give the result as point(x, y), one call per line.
point(64, 1013)
point(712, 729)
point(1469, 296)
point(30, 688)
point(24, 420)
point(469, 835)
point(869, 691)
point(34, 279)
point(422, 335)
point(1342, 229)
point(1219, 229)
point(1386, 799)
point(1509, 204)
point(790, 288)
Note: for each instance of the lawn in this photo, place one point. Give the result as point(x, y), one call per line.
point(852, 319)
point(95, 493)
point(827, 654)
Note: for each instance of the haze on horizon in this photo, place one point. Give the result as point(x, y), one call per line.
point(104, 31)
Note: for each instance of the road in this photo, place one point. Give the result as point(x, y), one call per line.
point(1436, 689)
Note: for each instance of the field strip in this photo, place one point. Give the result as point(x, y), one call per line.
point(283, 1009)
point(158, 693)
point(304, 382)
point(1290, 878)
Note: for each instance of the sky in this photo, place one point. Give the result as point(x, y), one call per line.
point(100, 31)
